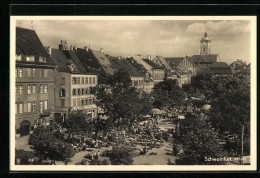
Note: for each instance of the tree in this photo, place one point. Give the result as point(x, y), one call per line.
point(230, 109)
point(199, 142)
point(168, 94)
point(121, 102)
point(121, 154)
point(49, 143)
point(230, 104)
point(77, 121)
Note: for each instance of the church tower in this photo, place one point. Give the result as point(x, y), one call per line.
point(205, 44)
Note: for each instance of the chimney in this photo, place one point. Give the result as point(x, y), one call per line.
point(75, 47)
point(49, 50)
point(101, 50)
point(61, 45)
point(71, 47)
point(86, 48)
point(119, 57)
point(149, 57)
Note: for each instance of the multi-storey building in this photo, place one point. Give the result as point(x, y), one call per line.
point(156, 71)
point(34, 90)
point(73, 84)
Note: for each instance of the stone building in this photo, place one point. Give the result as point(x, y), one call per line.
point(34, 90)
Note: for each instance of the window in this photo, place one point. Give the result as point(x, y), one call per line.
point(33, 105)
point(82, 91)
point(62, 102)
point(30, 58)
point(18, 57)
point(29, 107)
point(62, 92)
point(86, 102)
point(45, 88)
point(41, 106)
point(79, 92)
point(15, 89)
point(20, 107)
point(29, 72)
point(20, 89)
point(89, 101)
point(74, 102)
point(16, 109)
point(82, 80)
point(29, 89)
point(33, 72)
point(74, 80)
point(86, 91)
point(82, 102)
point(20, 74)
point(45, 105)
point(34, 89)
point(63, 80)
point(94, 80)
point(41, 88)
point(74, 92)
point(86, 80)
point(45, 74)
point(90, 80)
point(78, 80)
point(42, 59)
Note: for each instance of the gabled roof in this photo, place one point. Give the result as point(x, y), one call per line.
point(103, 61)
point(28, 43)
point(220, 68)
point(239, 65)
point(209, 58)
point(126, 65)
point(174, 61)
point(88, 60)
point(64, 58)
point(138, 66)
point(219, 64)
point(152, 64)
point(164, 62)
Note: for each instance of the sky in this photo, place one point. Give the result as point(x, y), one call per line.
point(168, 38)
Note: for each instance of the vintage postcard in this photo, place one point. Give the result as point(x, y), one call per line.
point(133, 93)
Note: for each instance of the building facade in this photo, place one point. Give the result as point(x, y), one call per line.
point(73, 84)
point(34, 101)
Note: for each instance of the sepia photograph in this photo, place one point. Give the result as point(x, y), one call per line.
point(133, 93)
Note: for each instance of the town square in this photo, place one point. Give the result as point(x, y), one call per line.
point(132, 92)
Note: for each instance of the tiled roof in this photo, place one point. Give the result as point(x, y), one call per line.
point(164, 62)
point(239, 65)
point(220, 68)
point(125, 64)
point(152, 64)
point(210, 58)
point(88, 60)
point(103, 61)
point(28, 43)
point(63, 58)
point(138, 66)
point(174, 61)
point(245, 71)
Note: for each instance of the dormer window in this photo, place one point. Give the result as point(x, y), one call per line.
point(30, 58)
point(18, 57)
point(42, 59)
